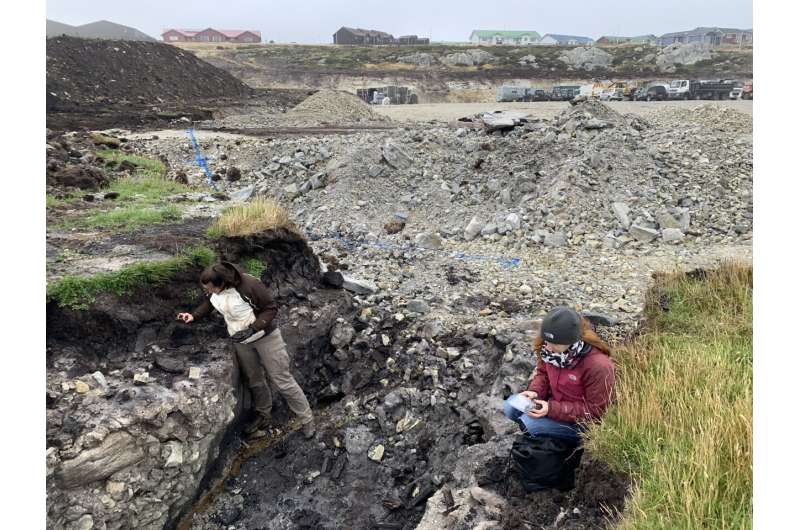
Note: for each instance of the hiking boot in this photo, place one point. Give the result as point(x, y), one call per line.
point(261, 421)
point(309, 430)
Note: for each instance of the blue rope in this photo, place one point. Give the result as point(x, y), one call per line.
point(200, 159)
point(506, 263)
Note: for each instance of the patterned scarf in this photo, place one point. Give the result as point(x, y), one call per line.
point(569, 358)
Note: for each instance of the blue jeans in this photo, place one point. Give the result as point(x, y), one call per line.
point(545, 427)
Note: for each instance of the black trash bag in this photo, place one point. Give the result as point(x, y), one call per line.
point(543, 463)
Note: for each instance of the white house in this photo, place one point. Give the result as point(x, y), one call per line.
point(565, 40)
point(491, 37)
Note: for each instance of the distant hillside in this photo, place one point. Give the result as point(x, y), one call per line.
point(102, 29)
point(56, 29)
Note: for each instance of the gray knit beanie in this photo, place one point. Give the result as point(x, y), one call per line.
point(562, 325)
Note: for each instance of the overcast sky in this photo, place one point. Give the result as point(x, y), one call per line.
point(314, 21)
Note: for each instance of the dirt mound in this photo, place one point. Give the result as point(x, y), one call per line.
point(97, 71)
point(332, 107)
point(121, 76)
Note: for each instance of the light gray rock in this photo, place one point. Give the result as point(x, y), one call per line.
point(358, 286)
point(642, 233)
point(671, 235)
point(429, 240)
point(357, 440)
point(587, 58)
point(291, 190)
point(667, 220)
point(175, 456)
point(85, 522)
point(555, 239)
point(513, 221)
point(342, 334)
point(473, 229)
point(418, 306)
point(396, 156)
point(243, 194)
point(118, 451)
point(318, 180)
point(622, 212)
point(489, 229)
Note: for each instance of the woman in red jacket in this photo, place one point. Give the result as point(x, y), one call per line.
point(573, 382)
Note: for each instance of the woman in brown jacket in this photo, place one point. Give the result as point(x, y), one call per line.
point(249, 313)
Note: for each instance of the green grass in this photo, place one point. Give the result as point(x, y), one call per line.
point(145, 190)
point(255, 267)
point(146, 187)
point(140, 201)
point(131, 217)
point(145, 167)
point(682, 423)
point(79, 292)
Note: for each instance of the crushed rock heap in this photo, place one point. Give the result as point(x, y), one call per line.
point(333, 107)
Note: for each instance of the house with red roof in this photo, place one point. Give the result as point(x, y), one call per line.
point(210, 35)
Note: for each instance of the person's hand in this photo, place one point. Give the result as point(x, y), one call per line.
point(186, 317)
point(239, 336)
point(530, 394)
point(541, 411)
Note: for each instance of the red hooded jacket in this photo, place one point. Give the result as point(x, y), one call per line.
point(576, 394)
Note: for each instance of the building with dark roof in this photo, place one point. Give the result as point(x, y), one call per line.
point(361, 36)
point(211, 35)
point(709, 35)
point(640, 39)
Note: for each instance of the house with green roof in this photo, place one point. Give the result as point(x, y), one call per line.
point(495, 37)
point(641, 39)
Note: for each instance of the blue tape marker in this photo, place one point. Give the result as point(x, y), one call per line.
point(200, 159)
point(506, 263)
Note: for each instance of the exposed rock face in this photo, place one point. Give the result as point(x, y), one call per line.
point(470, 57)
point(682, 54)
point(419, 59)
point(139, 404)
point(587, 58)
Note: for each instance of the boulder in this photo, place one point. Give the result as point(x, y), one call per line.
point(642, 233)
point(473, 229)
point(118, 451)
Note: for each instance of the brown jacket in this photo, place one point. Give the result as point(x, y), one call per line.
point(254, 293)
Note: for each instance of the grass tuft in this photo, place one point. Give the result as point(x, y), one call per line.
point(251, 218)
point(682, 424)
point(255, 267)
point(79, 292)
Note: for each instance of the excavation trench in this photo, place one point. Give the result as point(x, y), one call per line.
point(397, 420)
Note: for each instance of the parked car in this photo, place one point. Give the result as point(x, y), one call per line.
point(653, 92)
point(611, 94)
point(564, 92)
point(536, 94)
